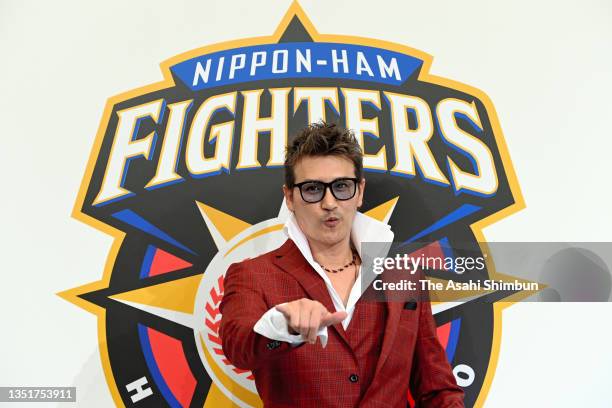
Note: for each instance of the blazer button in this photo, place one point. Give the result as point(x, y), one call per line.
point(353, 378)
point(273, 345)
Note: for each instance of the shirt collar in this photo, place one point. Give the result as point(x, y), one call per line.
point(364, 229)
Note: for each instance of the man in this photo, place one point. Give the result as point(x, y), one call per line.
point(277, 305)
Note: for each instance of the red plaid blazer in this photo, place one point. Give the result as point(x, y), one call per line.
point(411, 357)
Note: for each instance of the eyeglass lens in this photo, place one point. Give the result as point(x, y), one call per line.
point(315, 190)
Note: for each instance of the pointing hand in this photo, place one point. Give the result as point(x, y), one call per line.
point(307, 317)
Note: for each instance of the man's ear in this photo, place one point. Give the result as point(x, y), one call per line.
point(288, 193)
point(360, 193)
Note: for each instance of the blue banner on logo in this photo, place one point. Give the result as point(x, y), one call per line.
point(296, 60)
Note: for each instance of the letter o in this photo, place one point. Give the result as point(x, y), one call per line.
point(468, 375)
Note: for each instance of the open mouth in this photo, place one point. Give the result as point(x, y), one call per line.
point(331, 222)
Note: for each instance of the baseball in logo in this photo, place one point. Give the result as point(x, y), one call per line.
point(186, 175)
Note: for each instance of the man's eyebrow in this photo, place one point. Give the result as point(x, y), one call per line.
point(321, 181)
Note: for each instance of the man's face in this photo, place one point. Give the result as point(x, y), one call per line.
point(329, 221)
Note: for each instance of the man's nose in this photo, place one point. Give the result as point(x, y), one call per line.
point(329, 201)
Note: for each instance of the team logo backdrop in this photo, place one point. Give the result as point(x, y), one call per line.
point(186, 175)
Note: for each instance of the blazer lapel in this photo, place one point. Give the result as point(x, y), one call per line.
point(289, 258)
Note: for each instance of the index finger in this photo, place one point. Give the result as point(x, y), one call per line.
point(333, 318)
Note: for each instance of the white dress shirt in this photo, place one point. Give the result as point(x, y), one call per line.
point(273, 323)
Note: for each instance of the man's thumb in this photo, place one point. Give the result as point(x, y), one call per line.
point(283, 308)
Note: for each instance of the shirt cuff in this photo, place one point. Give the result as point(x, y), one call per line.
point(273, 325)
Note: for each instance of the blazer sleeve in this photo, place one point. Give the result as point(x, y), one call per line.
point(432, 382)
point(242, 306)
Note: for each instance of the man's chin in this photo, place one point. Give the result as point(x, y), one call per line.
point(333, 238)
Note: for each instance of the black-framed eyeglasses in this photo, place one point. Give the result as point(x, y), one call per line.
point(313, 191)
